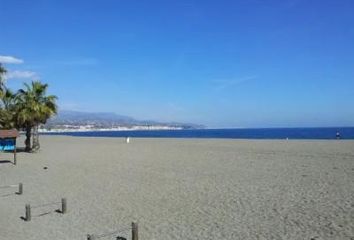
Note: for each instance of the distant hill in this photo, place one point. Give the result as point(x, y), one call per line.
point(86, 117)
point(106, 120)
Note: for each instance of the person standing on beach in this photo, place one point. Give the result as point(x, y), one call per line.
point(338, 135)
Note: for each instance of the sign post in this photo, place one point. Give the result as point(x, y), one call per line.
point(8, 141)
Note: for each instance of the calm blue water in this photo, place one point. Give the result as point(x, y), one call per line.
point(261, 133)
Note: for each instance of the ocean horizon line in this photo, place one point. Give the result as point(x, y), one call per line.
point(240, 133)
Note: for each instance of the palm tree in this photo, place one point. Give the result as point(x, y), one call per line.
point(34, 107)
point(5, 115)
point(6, 119)
point(8, 99)
point(2, 79)
point(8, 109)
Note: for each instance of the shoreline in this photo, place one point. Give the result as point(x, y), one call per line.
point(199, 138)
point(264, 133)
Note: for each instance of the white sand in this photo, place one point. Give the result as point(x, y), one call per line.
point(182, 189)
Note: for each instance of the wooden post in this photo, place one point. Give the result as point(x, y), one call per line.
point(63, 205)
point(15, 159)
point(28, 213)
point(134, 231)
point(20, 188)
point(90, 237)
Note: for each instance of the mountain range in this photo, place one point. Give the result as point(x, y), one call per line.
point(107, 120)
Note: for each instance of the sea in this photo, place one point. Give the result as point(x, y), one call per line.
point(244, 133)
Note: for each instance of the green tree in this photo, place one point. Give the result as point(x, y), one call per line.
point(8, 109)
point(26, 109)
point(2, 80)
point(4, 114)
point(34, 107)
point(6, 119)
point(8, 99)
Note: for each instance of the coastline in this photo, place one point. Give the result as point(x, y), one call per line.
point(134, 128)
point(346, 133)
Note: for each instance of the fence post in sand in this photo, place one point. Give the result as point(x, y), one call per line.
point(15, 157)
point(20, 189)
point(63, 205)
point(28, 213)
point(134, 231)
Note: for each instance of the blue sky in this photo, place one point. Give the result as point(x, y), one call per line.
point(246, 63)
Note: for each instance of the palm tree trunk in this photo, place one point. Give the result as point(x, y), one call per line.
point(28, 139)
point(35, 143)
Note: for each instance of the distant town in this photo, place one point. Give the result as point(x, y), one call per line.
point(73, 121)
point(93, 127)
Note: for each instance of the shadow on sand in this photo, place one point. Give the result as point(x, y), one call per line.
point(5, 161)
point(41, 214)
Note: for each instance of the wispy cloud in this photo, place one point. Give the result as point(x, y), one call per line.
point(227, 83)
point(10, 60)
point(17, 74)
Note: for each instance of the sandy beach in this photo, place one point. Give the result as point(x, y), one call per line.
point(181, 189)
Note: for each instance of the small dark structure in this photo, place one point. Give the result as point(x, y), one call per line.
point(8, 141)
